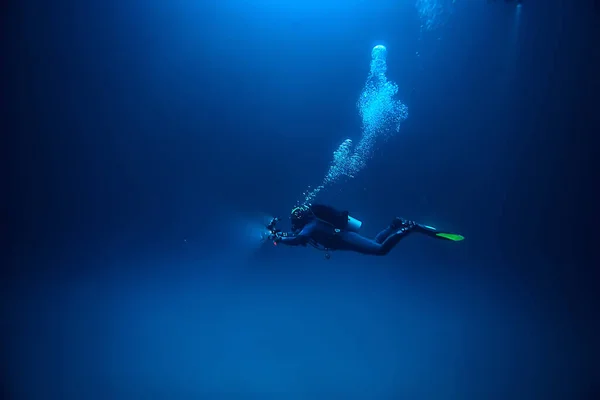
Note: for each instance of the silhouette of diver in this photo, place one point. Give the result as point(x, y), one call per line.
point(326, 228)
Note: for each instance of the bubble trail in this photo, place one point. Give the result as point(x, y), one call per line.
point(381, 118)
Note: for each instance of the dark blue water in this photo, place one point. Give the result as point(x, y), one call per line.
point(147, 141)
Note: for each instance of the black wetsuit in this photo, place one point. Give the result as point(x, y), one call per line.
point(326, 229)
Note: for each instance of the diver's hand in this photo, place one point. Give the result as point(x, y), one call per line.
point(275, 237)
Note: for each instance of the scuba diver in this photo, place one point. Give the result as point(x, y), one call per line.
point(326, 228)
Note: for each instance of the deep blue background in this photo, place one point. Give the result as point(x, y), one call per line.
point(140, 137)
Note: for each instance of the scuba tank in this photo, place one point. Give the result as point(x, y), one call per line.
point(353, 224)
point(338, 219)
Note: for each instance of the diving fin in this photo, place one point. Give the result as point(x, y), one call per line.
point(431, 231)
point(450, 236)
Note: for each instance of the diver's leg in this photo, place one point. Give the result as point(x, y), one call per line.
point(384, 234)
point(352, 241)
point(394, 239)
point(396, 224)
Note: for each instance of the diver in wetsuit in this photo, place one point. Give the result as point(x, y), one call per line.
point(326, 228)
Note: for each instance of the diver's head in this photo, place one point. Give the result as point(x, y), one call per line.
point(300, 216)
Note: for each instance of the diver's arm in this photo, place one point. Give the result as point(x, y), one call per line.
point(298, 239)
point(292, 240)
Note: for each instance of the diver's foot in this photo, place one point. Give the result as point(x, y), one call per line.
point(396, 223)
point(402, 223)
